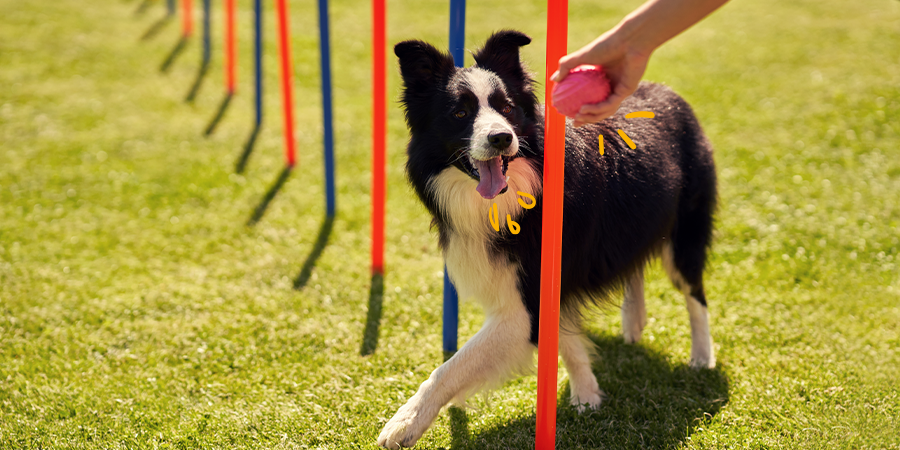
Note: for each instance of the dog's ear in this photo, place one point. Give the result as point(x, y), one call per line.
point(421, 65)
point(500, 55)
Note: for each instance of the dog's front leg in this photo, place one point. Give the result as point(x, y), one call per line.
point(499, 349)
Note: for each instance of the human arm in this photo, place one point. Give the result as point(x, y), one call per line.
point(624, 51)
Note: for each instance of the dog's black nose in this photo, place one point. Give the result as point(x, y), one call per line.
point(500, 141)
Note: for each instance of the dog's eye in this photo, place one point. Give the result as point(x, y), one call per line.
point(461, 114)
point(507, 109)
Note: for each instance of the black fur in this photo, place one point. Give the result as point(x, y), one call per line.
point(619, 209)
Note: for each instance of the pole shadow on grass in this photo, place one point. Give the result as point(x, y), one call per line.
point(459, 421)
point(270, 194)
point(156, 27)
point(173, 55)
point(373, 317)
point(318, 248)
point(201, 75)
point(248, 149)
point(459, 428)
point(649, 403)
point(219, 113)
point(142, 7)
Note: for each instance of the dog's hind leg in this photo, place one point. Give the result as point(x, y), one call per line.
point(500, 348)
point(702, 352)
point(634, 314)
point(576, 351)
point(684, 257)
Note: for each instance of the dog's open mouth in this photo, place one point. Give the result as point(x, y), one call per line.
point(490, 174)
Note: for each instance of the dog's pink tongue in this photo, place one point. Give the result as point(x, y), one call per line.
point(491, 177)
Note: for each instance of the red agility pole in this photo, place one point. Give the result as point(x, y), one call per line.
point(187, 19)
point(379, 126)
point(230, 43)
point(287, 82)
point(551, 242)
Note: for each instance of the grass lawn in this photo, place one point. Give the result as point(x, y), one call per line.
point(138, 309)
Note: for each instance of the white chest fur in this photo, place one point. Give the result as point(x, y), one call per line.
point(468, 211)
point(476, 273)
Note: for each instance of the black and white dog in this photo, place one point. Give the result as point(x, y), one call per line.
point(476, 142)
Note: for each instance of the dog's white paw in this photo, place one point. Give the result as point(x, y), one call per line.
point(632, 332)
point(405, 428)
point(702, 355)
point(587, 399)
point(703, 361)
point(585, 391)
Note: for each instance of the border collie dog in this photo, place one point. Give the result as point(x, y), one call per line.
point(476, 162)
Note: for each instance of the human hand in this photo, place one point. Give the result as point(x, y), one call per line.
point(623, 66)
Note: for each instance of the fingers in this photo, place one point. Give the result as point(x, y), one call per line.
point(585, 119)
point(556, 77)
point(566, 63)
point(596, 112)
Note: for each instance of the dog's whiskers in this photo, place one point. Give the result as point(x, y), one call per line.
point(462, 153)
point(523, 144)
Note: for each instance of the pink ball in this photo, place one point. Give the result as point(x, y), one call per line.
point(583, 86)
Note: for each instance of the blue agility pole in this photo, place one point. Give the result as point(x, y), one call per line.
point(457, 31)
point(451, 298)
point(451, 314)
point(257, 48)
point(206, 31)
point(325, 59)
point(170, 7)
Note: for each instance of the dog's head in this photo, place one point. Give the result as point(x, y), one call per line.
point(475, 118)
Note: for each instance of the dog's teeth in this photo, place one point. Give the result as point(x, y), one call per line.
point(507, 178)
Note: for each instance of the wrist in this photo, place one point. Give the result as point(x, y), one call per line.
point(632, 38)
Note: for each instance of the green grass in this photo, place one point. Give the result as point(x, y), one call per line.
point(138, 310)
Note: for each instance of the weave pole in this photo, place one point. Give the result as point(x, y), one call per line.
point(187, 18)
point(287, 82)
point(325, 60)
point(170, 7)
point(257, 56)
point(458, 31)
point(230, 52)
point(207, 45)
point(551, 241)
point(379, 128)
point(451, 298)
